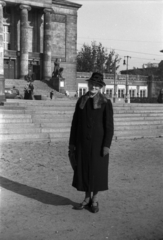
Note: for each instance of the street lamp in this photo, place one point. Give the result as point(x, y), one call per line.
point(127, 94)
point(115, 85)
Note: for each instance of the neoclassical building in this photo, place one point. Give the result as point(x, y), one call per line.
point(33, 34)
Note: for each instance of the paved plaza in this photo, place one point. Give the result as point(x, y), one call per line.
point(37, 199)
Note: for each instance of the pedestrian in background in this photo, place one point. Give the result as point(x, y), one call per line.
point(26, 93)
point(16, 90)
point(160, 96)
point(51, 94)
point(90, 140)
point(31, 90)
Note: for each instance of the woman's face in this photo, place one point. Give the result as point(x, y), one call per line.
point(93, 87)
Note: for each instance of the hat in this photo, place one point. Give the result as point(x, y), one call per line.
point(97, 78)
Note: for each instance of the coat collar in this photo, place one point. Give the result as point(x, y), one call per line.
point(98, 100)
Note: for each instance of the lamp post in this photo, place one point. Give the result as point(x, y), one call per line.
point(127, 94)
point(115, 85)
point(161, 70)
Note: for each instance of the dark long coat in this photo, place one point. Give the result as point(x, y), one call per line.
point(92, 128)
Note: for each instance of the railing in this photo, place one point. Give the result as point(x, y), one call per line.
point(111, 76)
point(143, 100)
point(84, 74)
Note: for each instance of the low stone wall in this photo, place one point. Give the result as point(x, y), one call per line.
point(143, 100)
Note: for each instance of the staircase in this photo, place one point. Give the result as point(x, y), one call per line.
point(50, 120)
point(40, 88)
point(138, 121)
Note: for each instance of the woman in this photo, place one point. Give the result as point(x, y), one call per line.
point(90, 139)
point(160, 96)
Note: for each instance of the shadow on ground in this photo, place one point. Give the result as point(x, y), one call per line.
point(34, 193)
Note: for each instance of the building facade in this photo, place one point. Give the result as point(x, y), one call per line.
point(138, 86)
point(33, 34)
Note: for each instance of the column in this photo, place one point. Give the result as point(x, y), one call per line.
point(47, 45)
point(2, 80)
point(71, 52)
point(24, 26)
point(138, 88)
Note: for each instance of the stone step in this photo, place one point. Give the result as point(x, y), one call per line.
point(60, 124)
point(15, 116)
point(135, 132)
point(50, 111)
point(124, 115)
point(60, 135)
point(138, 134)
point(137, 111)
point(14, 104)
point(70, 108)
point(140, 105)
point(20, 130)
point(51, 121)
point(13, 111)
point(24, 137)
point(61, 101)
point(22, 120)
point(138, 127)
point(50, 114)
point(63, 118)
point(142, 122)
point(73, 101)
point(64, 129)
point(133, 135)
point(43, 104)
point(134, 110)
point(19, 125)
point(11, 108)
point(139, 118)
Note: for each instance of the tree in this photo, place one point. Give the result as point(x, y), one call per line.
point(160, 70)
point(96, 58)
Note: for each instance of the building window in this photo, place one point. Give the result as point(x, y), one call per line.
point(6, 37)
point(132, 93)
point(120, 93)
point(82, 91)
point(109, 92)
point(142, 93)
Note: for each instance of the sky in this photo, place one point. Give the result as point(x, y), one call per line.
point(131, 27)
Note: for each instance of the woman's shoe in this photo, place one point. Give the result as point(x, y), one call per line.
point(82, 205)
point(95, 208)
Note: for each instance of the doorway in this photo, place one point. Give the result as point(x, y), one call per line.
point(36, 71)
point(9, 69)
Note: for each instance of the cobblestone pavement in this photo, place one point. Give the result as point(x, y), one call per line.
point(37, 199)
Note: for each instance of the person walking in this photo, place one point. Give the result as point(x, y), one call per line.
point(51, 94)
point(160, 96)
point(31, 90)
point(90, 139)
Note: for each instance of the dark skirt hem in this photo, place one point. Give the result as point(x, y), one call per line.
point(92, 190)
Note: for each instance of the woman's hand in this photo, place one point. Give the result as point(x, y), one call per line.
point(105, 151)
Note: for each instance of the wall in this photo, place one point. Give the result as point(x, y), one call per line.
point(70, 44)
point(155, 86)
point(58, 33)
